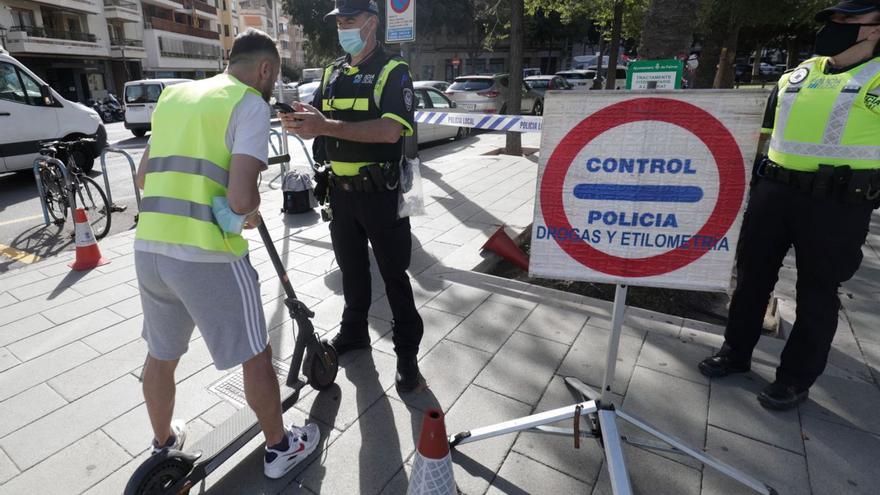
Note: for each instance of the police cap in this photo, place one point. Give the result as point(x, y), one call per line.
point(852, 7)
point(349, 8)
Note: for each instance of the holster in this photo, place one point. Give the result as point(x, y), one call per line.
point(322, 185)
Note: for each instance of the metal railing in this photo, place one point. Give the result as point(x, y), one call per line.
point(199, 5)
point(40, 32)
point(126, 42)
point(137, 191)
point(174, 27)
point(58, 163)
point(121, 3)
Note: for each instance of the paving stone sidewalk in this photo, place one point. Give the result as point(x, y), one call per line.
point(72, 418)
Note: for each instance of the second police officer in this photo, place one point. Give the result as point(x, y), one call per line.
point(360, 115)
point(816, 192)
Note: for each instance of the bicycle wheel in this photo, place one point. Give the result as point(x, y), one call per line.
point(54, 193)
point(93, 200)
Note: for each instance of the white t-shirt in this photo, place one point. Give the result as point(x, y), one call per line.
point(247, 134)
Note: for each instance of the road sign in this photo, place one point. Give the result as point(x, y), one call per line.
point(654, 74)
point(400, 21)
point(644, 190)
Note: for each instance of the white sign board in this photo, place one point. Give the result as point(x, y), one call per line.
point(645, 189)
point(400, 21)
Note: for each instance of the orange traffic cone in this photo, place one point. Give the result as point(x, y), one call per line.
point(88, 255)
point(432, 468)
point(501, 244)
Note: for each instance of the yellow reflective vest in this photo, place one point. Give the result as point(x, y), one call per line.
point(189, 165)
point(828, 119)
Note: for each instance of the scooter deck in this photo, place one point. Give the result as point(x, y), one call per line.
point(233, 434)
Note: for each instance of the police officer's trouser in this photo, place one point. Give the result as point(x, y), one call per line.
point(827, 235)
point(357, 218)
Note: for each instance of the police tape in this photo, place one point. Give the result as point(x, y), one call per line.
point(513, 123)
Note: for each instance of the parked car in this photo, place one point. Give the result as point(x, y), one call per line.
point(438, 85)
point(430, 99)
point(32, 112)
point(578, 79)
point(306, 92)
point(488, 94)
point(620, 76)
point(540, 85)
point(140, 98)
point(531, 71)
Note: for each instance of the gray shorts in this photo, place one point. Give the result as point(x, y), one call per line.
point(222, 299)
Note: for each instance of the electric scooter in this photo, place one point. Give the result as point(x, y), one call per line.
point(173, 472)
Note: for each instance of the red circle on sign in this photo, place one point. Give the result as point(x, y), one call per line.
point(400, 6)
point(725, 151)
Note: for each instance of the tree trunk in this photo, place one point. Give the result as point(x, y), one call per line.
point(793, 47)
point(716, 30)
point(669, 29)
point(756, 66)
point(615, 45)
point(725, 75)
point(514, 89)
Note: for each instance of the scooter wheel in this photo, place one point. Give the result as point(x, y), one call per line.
point(157, 477)
point(322, 375)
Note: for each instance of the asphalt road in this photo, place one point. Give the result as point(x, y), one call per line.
point(24, 237)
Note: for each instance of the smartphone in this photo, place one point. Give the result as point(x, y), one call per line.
point(283, 107)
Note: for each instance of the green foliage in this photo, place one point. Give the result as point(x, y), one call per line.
point(321, 45)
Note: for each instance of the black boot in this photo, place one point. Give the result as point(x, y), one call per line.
point(724, 363)
point(342, 344)
point(781, 397)
point(408, 376)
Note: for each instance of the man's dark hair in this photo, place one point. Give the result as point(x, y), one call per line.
point(252, 45)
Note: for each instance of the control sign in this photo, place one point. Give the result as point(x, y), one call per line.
point(400, 21)
point(644, 190)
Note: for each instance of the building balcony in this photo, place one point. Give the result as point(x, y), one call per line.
point(200, 6)
point(126, 48)
point(173, 51)
point(87, 6)
point(167, 4)
point(174, 27)
point(32, 40)
point(122, 10)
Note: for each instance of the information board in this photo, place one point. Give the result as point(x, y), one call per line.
point(654, 74)
point(400, 21)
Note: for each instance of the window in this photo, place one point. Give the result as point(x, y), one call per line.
point(420, 99)
point(427, 72)
point(437, 100)
point(235, 30)
point(496, 65)
point(22, 17)
point(468, 84)
point(226, 30)
point(10, 86)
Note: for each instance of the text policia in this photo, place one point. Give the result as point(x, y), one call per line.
point(610, 227)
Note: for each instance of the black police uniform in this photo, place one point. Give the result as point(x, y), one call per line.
point(807, 211)
point(363, 207)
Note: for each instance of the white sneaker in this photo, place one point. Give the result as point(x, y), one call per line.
point(178, 431)
point(302, 442)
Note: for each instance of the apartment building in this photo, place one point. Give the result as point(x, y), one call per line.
point(182, 38)
point(229, 26)
point(256, 14)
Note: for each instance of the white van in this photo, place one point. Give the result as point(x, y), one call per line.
point(139, 98)
point(310, 75)
point(31, 112)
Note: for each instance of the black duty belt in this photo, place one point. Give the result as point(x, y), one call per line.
point(833, 182)
point(374, 178)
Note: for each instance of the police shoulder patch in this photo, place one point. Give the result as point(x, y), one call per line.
point(408, 98)
point(799, 75)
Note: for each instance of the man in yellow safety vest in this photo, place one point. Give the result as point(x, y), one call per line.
point(199, 175)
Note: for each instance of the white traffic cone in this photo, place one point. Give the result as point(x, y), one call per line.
point(432, 468)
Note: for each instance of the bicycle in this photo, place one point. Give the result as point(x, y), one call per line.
point(85, 192)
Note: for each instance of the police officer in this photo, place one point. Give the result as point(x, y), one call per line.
point(362, 111)
point(815, 191)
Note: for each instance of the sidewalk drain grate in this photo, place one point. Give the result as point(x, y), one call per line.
point(231, 387)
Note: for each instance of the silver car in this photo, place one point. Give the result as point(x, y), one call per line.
point(488, 94)
point(429, 99)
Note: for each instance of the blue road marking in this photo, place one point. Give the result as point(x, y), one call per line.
point(640, 193)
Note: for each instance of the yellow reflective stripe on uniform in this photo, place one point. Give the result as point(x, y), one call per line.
point(383, 78)
point(407, 128)
point(195, 166)
point(177, 207)
point(346, 104)
point(327, 72)
point(347, 169)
